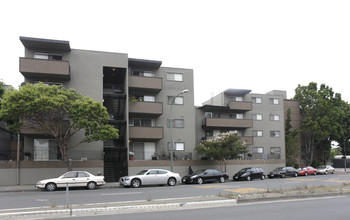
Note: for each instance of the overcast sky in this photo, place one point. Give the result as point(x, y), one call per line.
point(258, 45)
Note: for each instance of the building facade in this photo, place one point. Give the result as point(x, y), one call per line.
point(152, 107)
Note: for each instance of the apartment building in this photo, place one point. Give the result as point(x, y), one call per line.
point(141, 97)
point(258, 119)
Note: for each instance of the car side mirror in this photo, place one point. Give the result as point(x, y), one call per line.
point(205, 173)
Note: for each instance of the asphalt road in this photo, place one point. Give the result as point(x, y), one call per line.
point(320, 209)
point(51, 199)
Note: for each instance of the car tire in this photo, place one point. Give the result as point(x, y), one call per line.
point(222, 179)
point(315, 173)
point(295, 174)
point(91, 185)
point(135, 183)
point(199, 180)
point(171, 181)
point(333, 172)
point(50, 187)
point(249, 178)
point(305, 173)
point(283, 175)
point(262, 177)
point(326, 173)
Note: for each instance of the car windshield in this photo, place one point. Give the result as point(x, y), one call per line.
point(199, 171)
point(278, 169)
point(142, 172)
point(321, 167)
point(244, 170)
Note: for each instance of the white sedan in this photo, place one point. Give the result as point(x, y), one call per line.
point(151, 177)
point(74, 179)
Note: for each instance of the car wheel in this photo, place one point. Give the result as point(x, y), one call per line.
point(91, 185)
point(199, 180)
point(135, 183)
point(50, 187)
point(249, 178)
point(222, 179)
point(171, 181)
point(326, 172)
point(283, 175)
point(295, 174)
point(315, 173)
point(262, 177)
point(305, 173)
point(333, 172)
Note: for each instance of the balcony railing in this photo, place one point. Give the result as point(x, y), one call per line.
point(48, 69)
point(146, 108)
point(146, 133)
point(240, 106)
point(227, 123)
point(146, 83)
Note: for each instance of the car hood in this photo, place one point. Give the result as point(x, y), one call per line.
point(48, 180)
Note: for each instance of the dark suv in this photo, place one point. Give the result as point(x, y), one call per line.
point(249, 173)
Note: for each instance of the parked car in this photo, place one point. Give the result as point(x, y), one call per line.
point(150, 177)
point(309, 170)
point(283, 172)
point(207, 175)
point(249, 173)
point(74, 179)
point(325, 169)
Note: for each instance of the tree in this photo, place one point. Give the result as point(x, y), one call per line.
point(59, 112)
point(292, 142)
point(225, 146)
point(323, 114)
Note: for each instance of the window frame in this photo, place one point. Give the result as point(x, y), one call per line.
point(174, 78)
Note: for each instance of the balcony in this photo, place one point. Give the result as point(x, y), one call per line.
point(150, 133)
point(44, 69)
point(240, 106)
point(146, 108)
point(146, 83)
point(227, 123)
point(247, 140)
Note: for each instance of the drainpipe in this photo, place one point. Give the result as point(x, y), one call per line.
point(17, 164)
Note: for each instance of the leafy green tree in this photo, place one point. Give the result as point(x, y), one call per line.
point(61, 113)
point(225, 146)
point(2, 89)
point(323, 114)
point(292, 142)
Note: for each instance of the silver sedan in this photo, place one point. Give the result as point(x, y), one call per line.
point(325, 169)
point(150, 177)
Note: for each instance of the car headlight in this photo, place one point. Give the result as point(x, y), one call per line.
point(126, 178)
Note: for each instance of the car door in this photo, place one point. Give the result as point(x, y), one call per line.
point(82, 179)
point(253, 173)
point(150, 177)
point(69, 177)
point(163, 177)
point(208, 175)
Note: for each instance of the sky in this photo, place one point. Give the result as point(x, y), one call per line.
point(261, 45)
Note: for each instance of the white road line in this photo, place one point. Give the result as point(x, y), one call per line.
point(114, 194)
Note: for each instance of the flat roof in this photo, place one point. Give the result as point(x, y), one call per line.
point(237, 92)
point(45, 44)
point(147, 64)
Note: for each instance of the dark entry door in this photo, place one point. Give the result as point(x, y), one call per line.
point(115, 163)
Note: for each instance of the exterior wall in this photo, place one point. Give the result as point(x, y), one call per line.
point(216, 100)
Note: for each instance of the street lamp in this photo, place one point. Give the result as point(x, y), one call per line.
point(171, 128)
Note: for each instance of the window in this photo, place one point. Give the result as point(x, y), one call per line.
point(142, 73)
point(238, 99)
point(274, 101)
point(143, 122)
point(236, 116)
point(274, 117)
point(257, 117)
point(174, 77)
point(149, 98)
point(177, 146)
point(177, 123)
point(275, 134)
point(46, 56)
point(258, 150)
point(256, 100)
point(275, 150)
point(258, 133)
point(144, 150)
point(178, 101)
point(46, 149)
point(208, 114)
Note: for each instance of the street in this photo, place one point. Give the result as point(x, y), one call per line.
point(39, 198)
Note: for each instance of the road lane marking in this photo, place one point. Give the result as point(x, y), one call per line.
point(210, 186)
point(42, 200)
point(113, 194)
point(304, 179)
point(245, 190)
